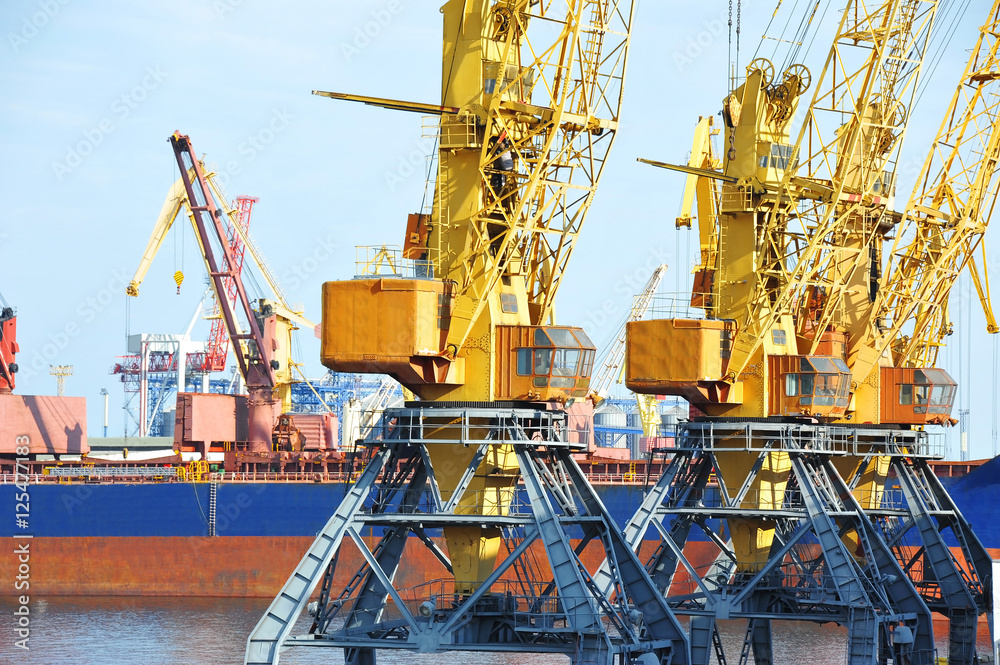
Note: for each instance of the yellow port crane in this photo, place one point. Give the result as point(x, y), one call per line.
point(942, 226)
point(463, 317)
point(807, 344)
point(790, 231)
point(799, 228)
point(529, 109)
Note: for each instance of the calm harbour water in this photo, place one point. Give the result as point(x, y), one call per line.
point(204, 631)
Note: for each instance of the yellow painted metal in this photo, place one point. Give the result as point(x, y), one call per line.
point(793, 253)
point(537, 87)
point(649, 414)
point(943, 222)
point(706, 191)
point(392, 104)
point(547, 100)
point(983, 291)
point(797, 236)
point(828, 208)
point(676, 357)
point(752, 537)
point(473, 550)
point(176, 199)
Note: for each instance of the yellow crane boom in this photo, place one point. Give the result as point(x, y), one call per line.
point(828, 207)
point(944, 220)
point(530, 102)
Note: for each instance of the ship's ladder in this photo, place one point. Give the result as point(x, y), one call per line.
point(213, 502)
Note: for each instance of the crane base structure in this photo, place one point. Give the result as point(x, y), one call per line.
point(540, 597)
point(831, 558)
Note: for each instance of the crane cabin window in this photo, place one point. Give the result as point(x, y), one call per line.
point(813, 381)
point(932, 391)
point(558, 358)
point(916, 396)
point(778, 157)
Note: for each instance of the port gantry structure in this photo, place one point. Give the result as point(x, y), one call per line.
point(809, 352)
point(462, 316)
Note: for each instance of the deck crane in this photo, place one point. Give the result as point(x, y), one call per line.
point(239, 242)
point(254, 350)
point(463, 318)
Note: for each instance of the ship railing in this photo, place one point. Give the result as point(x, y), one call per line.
point(621, 478)
point(22, 478)
point(347, 476)
point(678, 305)
point(171, 475)
point(285, 477)
point(94, 474)
point(389, 261)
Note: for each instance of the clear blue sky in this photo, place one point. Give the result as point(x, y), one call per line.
point(91, 93)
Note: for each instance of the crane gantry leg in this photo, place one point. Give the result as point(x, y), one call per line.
point(812, 571)
point(957, 588)
point(524, 605)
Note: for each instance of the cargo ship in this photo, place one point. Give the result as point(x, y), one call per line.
point(240, 533)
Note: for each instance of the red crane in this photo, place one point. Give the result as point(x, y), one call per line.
point(213, 359)
point(255, 357)
point(8, 347)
